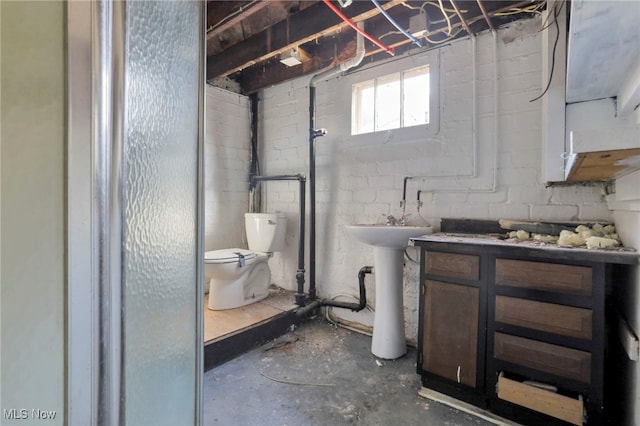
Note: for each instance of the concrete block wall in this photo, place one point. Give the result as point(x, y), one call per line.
point(227, 154)
point(360, 178)
point(625, 204)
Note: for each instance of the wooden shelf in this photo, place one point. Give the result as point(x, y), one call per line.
point(602, 165)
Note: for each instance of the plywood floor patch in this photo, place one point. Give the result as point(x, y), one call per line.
point(222, 323)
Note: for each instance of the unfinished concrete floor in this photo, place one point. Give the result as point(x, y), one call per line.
point(320, 374)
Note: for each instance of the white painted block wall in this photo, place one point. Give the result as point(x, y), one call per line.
point(227, 153)
point(625, 204)
point(360, 178)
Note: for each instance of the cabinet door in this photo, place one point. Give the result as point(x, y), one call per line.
point(450, 339)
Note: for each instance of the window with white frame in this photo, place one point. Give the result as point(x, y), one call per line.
point(391, 102)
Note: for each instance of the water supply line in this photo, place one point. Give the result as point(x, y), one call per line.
point(494, 184)
point(493, 187)
point(300, 296)
point(313, 135)
point(395, 24)
point(361, 31)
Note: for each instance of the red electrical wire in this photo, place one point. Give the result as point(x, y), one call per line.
point(353, 25)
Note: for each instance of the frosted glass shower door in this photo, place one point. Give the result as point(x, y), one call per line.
point(135, 125)
point(160, 203)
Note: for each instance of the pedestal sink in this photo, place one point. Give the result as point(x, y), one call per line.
point(388, 244)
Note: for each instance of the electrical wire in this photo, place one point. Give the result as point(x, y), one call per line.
point(408, 6)
point(388, 34)
point(451, 37)
point(231, 15)
point(445, 17)
point(556, 12)
point(337, 323)
point(444, 9)
point(516, 10)
point(544, 25)
point(395, 24)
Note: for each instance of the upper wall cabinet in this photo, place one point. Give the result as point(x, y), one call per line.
point(603, 90)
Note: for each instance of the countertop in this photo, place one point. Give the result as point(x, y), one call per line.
point(492, 242)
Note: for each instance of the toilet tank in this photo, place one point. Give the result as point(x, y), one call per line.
point(265, 231)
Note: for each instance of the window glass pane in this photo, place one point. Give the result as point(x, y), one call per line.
point(388, 102)
point(362, 108)
point(416, 97)
point(391, 102)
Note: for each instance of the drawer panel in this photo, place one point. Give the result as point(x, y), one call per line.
point(453, 265)
point(544, 276)
point(550, 403)
point(553, 359)
point(549, 317)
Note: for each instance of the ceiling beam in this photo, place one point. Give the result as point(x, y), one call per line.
point(273, 72)
point(222, 18)
point(309, 24)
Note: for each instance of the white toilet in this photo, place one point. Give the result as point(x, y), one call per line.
point(238, 277)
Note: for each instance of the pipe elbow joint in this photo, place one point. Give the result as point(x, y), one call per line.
point(365, 270)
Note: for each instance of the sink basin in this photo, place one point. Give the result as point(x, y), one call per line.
point(388, 243)
point(396, 237)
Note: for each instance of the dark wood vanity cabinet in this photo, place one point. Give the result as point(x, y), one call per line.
point(451, 352)
point(519, 330)
point(452, 357)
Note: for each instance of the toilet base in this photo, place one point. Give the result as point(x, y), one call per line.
point(249, 288)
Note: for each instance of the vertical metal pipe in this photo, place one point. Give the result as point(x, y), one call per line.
point(300, 297)
point(253, 169)
point(312, 192)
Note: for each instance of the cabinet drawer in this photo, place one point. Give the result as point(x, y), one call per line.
point(549, 317)
point(453, 265)
point(550, 403)
point(544, 276)
point(553, 359)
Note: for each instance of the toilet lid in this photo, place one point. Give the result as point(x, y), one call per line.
point(228, 255)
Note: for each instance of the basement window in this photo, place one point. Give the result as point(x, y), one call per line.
point(390, 102)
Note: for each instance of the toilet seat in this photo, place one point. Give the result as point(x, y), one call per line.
point(233, 255)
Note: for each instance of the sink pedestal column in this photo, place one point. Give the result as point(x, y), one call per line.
point(388, 323)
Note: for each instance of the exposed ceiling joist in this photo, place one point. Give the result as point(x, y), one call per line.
point(305, 26)
point(221, 19)
point(273, 72)
point(247, 52)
